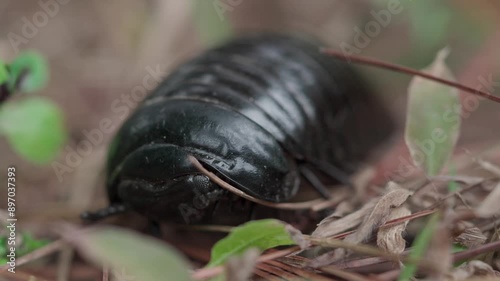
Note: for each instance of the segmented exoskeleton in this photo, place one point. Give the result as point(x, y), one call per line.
point(265, 113)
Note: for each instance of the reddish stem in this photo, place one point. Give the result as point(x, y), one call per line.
point(407, 70)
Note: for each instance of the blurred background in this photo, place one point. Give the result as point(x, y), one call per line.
point(100, 50)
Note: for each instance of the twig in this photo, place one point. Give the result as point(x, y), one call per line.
point(351, 276)
point(461, 256)
point(232, 189)
point(208, 228)
point(409, 217)
point(213, 271)
point(358, 248)
point(407, 70)
point(20, 275)
point(206, 273)
point(278, 254)
point(265, 275)
point(308, 275)
point(283, 274)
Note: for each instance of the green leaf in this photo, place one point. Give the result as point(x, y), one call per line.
point(452, 185)
point(419, 247)
point(32, 69)
point(211, 22)
point(457, 248)
point(433, 120)
point(30, 244)
point(3, 246)
point(429, 30)
point(34, 128)
point(137, 255)
point(261, 234)
point(4, 73)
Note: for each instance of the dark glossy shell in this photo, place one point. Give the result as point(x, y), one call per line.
point(253, 109)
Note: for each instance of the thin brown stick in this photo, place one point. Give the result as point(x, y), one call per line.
point(286, 206)
point(407, 70)
point(351, 276)
point(307, 275)
point(278, 254)
point(409, 217)
point(265, 275)
point(457, 257)
point(461, 256)
point(20, 275)
point(214, 271)
point(280, 272)
point(206, 273)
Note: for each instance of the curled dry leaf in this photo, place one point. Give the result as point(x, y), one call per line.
point(380, 214)
point(473, 268)
point(471, 237)
point(490, 205)
point(390, 238)
point(332, 225)
point(240, 268)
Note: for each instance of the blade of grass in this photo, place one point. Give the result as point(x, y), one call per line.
point(419, 247)
point(452, 185)
point(211, 22)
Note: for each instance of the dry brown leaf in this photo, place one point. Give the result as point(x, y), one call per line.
point(240, 268)
point(490, 205)
point(298, 237)
point(361, 181)
point(332, 225)
point(471, 237)
point(394, 198)
point(390, 238)
point(473, 269)
point(380, 213)
point(342, 209)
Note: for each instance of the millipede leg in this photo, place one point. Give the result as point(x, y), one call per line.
point(111, 210)
point(315, 182)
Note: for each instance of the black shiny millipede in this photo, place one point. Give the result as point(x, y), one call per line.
point(267, 114)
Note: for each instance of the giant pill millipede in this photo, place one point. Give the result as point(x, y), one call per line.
point(268, 114)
